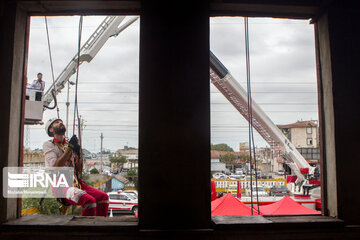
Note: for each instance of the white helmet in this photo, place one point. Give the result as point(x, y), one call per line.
point(48, 125)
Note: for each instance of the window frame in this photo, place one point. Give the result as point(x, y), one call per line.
point(310, 130)
point(24, 11)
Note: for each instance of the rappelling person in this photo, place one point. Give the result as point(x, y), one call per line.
point(62, 153)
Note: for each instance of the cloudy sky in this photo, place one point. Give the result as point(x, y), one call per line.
point(283, 77)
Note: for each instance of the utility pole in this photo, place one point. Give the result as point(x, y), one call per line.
point(101, 151)
point(81, 126)
point(67, 106)
point(67, 109)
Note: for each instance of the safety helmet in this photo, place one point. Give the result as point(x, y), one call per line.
point(48, 125)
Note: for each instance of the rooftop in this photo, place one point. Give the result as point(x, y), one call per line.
point(300, 124)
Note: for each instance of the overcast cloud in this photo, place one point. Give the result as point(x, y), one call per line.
point(282, 73)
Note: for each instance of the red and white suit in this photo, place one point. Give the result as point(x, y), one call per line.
point(93, 201)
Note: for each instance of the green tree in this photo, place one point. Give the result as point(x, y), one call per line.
point(132, 175)
point(119, 160)
point(94, 171)
point(221, 147)
point(228, 158)
point(245, 157)
point(49, 206)
point(86, 178)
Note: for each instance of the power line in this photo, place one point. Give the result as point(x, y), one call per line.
point(214, 103)
point(133, 82)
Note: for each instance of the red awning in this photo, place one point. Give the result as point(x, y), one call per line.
point(91, 163)
point(287, 206)
point(228, 205)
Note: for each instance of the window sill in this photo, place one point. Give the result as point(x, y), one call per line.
point(250, 227)
point(239, 222)
point(39, 221)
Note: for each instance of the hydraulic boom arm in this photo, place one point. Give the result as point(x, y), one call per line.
point(237, 96)
point(108, 28)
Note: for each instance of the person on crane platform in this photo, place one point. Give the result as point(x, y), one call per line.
point(38, 84)
point(59, 153)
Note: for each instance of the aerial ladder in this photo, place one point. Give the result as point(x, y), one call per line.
point(35, 106)
point(237, 96)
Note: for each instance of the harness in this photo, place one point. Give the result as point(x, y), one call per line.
point(64, 205)
point(72, 161)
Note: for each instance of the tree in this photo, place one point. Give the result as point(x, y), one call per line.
point(94, 171)
point(49, 206)
point(221, 147)
point(228, 158)
point(119, 160)
point(132, 175)
point(245, 157)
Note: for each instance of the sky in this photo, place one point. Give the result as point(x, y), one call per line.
point(283, 77)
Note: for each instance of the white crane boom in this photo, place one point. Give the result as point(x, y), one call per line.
point(237, 96)
point(108, 28)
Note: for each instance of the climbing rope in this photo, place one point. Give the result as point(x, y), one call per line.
point(251, 130)
point(53, 92)
point(76, 108)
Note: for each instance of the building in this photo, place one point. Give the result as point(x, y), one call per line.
point(33, 158)
point(98, 163)
point(174, 120)
point(304, 135)
point(132, 155)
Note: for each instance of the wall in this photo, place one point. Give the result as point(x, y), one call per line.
point(299, 137)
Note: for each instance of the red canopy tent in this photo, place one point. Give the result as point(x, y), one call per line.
point(286, 206)
point(228, 205)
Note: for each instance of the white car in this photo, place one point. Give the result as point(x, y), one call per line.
point(261, 192)
point(132, 192)
point(122, 202)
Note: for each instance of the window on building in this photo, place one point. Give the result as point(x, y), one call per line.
point(309, 130)
point(309, 141)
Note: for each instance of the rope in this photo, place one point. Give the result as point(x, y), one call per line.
point(251, 130)
point(76, 109)
point(53, 92)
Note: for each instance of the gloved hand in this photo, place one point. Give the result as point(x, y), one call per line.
point(73, 141)
point(74, 145)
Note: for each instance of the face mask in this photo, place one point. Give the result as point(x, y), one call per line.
point(59, 129)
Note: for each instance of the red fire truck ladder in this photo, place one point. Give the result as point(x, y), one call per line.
point(237, 96)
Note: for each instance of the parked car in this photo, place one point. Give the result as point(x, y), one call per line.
point(279, 191)
point(132, 192)
point(235, 176)
point(261, 192)
point(217, 175)
point(122, 202)
point(232, 189)
point(220, 176)
point(266, 176)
